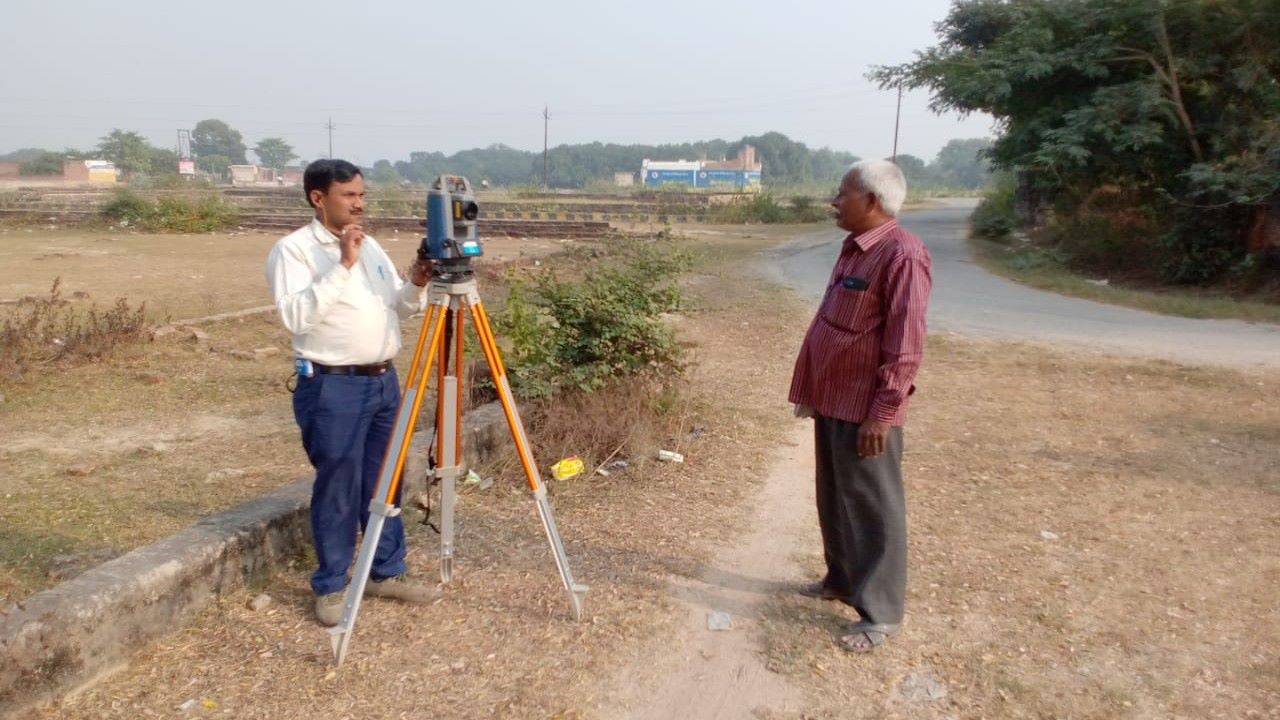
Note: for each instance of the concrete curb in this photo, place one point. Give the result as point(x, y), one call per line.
point(80, 631)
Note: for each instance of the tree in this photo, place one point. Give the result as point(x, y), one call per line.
point(1173, 103)
point(216, 138)
point(163, 162)
point(831, 165)
point(384, 173)
point(215, 164)
point(46, 163)
point(274, 152)
point(23, 155)
point(913, 168)
point(128, 150)
point(961, 163)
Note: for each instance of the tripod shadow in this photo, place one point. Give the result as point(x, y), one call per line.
point(694, 581)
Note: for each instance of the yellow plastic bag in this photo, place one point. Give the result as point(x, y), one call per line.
point(568, 468)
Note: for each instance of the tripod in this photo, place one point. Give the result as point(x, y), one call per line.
point(451, 293)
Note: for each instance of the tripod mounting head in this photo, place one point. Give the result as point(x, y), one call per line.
point(452, 239)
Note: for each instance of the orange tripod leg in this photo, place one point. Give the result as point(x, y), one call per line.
point(490, 347)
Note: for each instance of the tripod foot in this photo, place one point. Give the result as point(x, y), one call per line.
point(339, 636)
point(577, 595)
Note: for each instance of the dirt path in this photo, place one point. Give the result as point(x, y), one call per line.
point(724, 674)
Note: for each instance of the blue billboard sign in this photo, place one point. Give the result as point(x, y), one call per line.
point(658, 178)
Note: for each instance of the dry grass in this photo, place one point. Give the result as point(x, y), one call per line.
point(41, 331)
point(629, 422)
point(99, 458)
point(500, 643)
point(1152, 597)
point(1090, 538)
point(179, 276)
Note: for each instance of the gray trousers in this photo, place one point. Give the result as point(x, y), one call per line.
point(863, 515)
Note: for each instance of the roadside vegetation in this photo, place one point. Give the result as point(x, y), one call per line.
point(1085, 255)
point(1139, 141)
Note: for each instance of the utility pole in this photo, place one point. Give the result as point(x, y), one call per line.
point(546, 118)
point(896, 117)
point(330, 126)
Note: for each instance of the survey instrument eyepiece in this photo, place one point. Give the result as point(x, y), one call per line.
point(451, 222)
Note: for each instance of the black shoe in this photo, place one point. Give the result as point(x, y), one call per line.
point(820, 591)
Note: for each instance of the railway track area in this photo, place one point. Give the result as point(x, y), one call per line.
point(290, 221)
point(548, 215)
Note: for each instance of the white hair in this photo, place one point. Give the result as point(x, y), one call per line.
point(883, 178)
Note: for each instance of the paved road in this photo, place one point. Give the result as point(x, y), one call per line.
point(967, 299)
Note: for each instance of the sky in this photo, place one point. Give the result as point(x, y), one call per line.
point(403, 76)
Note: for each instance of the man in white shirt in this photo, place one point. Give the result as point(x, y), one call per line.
point(339, 294)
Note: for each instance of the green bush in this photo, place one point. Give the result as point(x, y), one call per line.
point(994, 218)
point(170, 181)
point(1036, 258)
point(127, 206)
point(585, 333)
point(1202, 246)
point(171, 213)
point(804, 209)
point(762, 208)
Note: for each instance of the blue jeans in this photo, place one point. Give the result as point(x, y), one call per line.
point(346, 423)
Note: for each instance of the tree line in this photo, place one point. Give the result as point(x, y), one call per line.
point(214, 143)
point(787, 162)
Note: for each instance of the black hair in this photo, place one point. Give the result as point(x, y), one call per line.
point(320, 174)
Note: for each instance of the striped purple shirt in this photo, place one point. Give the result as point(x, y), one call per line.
point(862, 350)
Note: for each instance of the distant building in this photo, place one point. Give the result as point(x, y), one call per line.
point(243, 175)
point(251, 175)
point(658, 173)
point(624, 179)
point(90, 171)
point(742, 173)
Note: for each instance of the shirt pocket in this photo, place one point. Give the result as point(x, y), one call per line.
point(851, 305)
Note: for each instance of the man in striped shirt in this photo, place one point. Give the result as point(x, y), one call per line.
point(854, 376)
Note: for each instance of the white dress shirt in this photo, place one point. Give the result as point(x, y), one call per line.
point(339, 316)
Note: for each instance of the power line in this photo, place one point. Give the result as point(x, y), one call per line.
point(897, 116)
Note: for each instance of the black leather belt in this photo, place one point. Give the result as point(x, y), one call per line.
point(371, 369)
